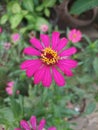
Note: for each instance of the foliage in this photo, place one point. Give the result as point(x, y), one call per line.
point(81, 6)
point(29, 12)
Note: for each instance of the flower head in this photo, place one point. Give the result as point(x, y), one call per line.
point(32, 125)
point(9, 88)
point(7, 45)
point(44, 28)
point(15, 37)
point(74, 35)
point(52, 60)
point(0, 30)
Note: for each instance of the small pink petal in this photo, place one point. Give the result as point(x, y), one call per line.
point(38, 76)
point(36, 43)
point(68, 63)
point(65, 69)
point(41, 124)
point(47, 79)
point(68, 72)
point(45, 40)
point(24, 125)
point(55, 39)
point(59, 79)
point(26, 64)
point(32, 69)
point(9, 90)
point(33, 122)
point(68, 52)
point(52, 128)
point(62, 43)
point(31, 51)
point(10, 84)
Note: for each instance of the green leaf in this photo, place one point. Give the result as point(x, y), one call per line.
point(16, 108)
point(81, 6)
point(30, 18)
point(90, 108)
point(16, 8)
point(95, 65)
point(13, 7)
point(39, 8)
point(47, 12)
point(24, 12)
point(49, 3)
point(4, 19)
point(28, 5)
point(15, 20)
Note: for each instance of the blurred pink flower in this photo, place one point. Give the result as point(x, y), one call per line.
point(44, 28)
point(74, 35)
point(52, 60)
point(7, 45)
point(15, 37)
point(33, 125)
point(9, 88)
point(0, 29)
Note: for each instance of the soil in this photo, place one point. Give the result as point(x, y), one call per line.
point(90, 122)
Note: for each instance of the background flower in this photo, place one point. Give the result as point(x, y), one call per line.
point(15, 37)
point(44, 28)
point(7, 45)
point(9, 88)
point(0, 29)
point(74, 35)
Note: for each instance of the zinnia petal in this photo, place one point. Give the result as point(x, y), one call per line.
point(62, 44)
point(68, 52)
point(47, 79)
point(31, 51)
point(65, 69)
point(52, 128)
point(55, 39)
point(68, 63)
point(33, 122)
point(29, 63)
point(36, 43)
point(42, 124)
point(45, 39)
point(59, 79)
point(32, 69)
point(24, 125)
point(38, 76)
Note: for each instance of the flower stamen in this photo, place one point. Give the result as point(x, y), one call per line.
point(49, 56)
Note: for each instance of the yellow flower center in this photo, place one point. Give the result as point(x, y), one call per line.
point(75, 35)
point(49, 56)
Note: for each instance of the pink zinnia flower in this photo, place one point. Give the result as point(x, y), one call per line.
point(44, 28)
point(51, 60)
point(0, 30)
point(15, 37)
point(33, 125)
point(7, 45)
point(74, 35)
point(9, 88)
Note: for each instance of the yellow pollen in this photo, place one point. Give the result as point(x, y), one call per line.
point(49, 56)
point(75, 35)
